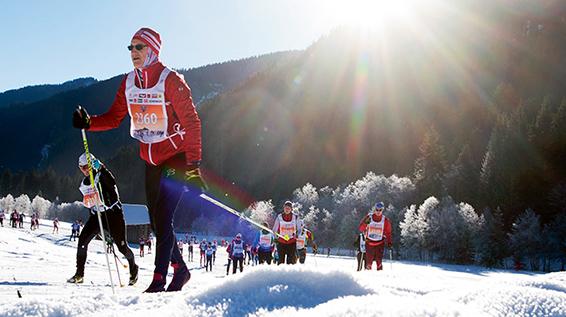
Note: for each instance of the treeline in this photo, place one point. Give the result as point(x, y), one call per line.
point(435, 230)
point(44, 208)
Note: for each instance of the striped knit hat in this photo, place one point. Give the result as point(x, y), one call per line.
point(150, 37)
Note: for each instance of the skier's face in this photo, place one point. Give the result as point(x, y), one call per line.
point(138, 56)
point(378, 211)
point(287, 209)
point(84, 170)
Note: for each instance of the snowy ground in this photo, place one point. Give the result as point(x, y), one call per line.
point(37, 264)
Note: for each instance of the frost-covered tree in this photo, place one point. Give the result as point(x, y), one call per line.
point(307, 195)
point(23, 204)
point(349, 228)
point(395, 216)
point(68, 211)
point(262, 211)
point(40, 206)
point(7, 203)
point(413, 232)
point(525, 238)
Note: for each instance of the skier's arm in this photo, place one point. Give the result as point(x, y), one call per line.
point(299, 226)
point(179, 95)
point(276, 225)
point(114, 116)
point(364, 223)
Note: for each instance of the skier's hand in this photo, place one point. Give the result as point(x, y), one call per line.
point(81, 119)
point(193, 179)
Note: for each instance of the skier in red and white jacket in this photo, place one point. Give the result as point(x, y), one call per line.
point(164, 120)
point(377, 231)
point(288, 225)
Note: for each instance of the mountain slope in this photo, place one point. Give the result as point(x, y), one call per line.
point(35, 93)
point(40, 134)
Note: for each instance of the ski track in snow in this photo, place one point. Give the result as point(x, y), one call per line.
point(38, 263)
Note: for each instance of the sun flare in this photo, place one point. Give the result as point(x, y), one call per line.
point(370, 14)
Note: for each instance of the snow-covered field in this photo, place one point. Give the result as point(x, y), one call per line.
point(38, 263)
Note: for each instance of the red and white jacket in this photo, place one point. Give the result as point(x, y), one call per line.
point(386, 229)
point(287, 224)
point(180, 111)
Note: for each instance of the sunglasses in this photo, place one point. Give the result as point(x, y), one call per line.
point(138, 47)
point(84, 168)
point(378, 209)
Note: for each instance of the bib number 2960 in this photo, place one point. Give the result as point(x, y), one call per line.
point(148, 118)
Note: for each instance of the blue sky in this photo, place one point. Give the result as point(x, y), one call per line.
point(59, 40)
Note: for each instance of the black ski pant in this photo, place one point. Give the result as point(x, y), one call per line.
point(228, 266)
point(113, 224)
point(208, 262)
point(238, 261)
point(163, 194)
point(73, 235)
point(302, 255)
point(288, 251)
point(264, 257)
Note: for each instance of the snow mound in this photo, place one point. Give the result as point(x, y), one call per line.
point(273, 288)
point(532, 296)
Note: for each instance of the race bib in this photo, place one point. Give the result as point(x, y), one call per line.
point(147, 110)
point(265, 240)
point(149, 120)
point(91, 197)
point(300, 243)
point(287, 229)
point(375, 232)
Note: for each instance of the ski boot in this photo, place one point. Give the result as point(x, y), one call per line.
point(181, 276)
point(76, 279)
point(133, 275)
point(157, 285)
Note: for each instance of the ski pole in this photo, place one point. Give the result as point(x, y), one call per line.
point(117, 269)
point(121, 263)
point(89, 162)
point(235, 212)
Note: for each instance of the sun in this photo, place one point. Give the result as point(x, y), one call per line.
point(370, 14)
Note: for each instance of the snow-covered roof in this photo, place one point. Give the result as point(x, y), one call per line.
point(135, 214)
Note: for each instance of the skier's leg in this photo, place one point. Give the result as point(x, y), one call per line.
point(281, 253)
point(379, 256)
point(163, 197)
point(370, 255)
point(302, 255)
point(89, 231)
point(117, 229)
point(292, 253)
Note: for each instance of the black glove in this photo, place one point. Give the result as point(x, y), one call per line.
point(194, 180)
point(81, 119)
